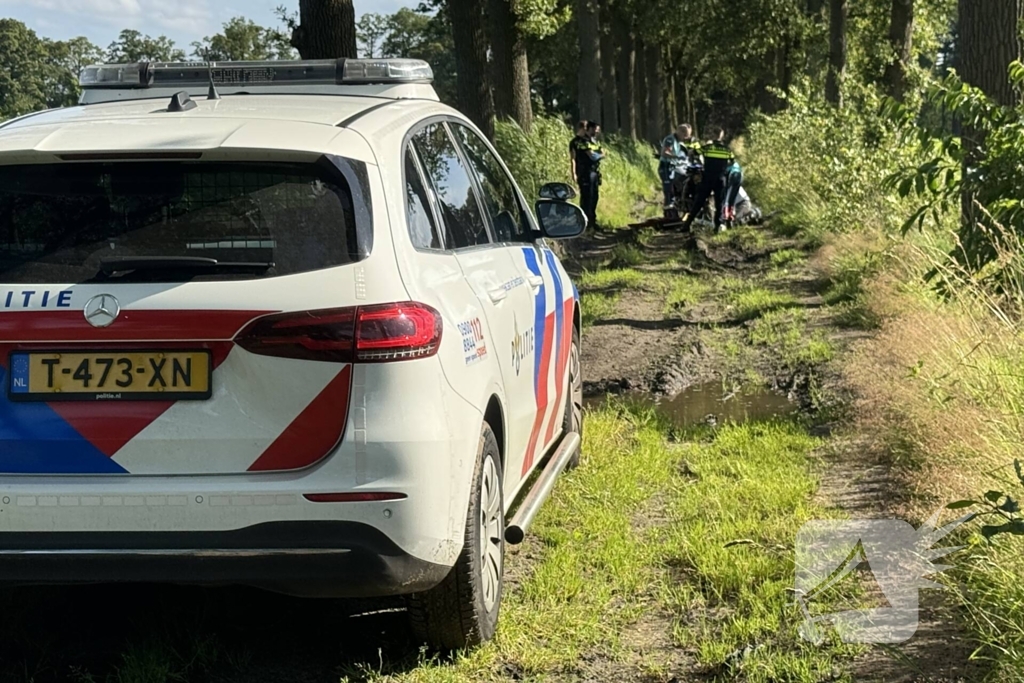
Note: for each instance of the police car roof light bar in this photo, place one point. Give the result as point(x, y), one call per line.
point(255, 74)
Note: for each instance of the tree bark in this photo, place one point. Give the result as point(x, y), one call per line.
point(625, 74)
point(655, 93)
point(640, 91)
point(327, 29)
point(511, 69)
point(609, 85)
point(838, 11)
point(901, 38)
point(988, 42)
point(588, 26)
point(473, 82)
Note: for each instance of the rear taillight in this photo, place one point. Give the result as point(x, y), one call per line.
point(370, 334)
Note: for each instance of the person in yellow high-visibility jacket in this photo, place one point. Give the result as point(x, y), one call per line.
point(717, 160)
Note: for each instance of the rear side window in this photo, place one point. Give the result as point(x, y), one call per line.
point(62, 222)
point(422, 229)
point(464, 225)
point(500, 199)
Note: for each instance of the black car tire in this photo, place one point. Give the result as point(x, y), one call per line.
point(462, 611)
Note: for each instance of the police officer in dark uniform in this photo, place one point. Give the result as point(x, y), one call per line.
point(586, 155)
point(717, 160)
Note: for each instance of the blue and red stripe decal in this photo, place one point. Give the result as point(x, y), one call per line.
point(554, 331)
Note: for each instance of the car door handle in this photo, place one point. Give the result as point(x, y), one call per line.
point(536, 281)
point(498, 295)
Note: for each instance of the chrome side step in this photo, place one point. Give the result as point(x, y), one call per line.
point(515, 531)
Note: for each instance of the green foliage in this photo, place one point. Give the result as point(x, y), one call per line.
point(986, 167)
point(133, 46)
point(542, 156)
point(243, 39)
point(38, 73)
point(536, 158)
point(416, 35)
point(822, 167)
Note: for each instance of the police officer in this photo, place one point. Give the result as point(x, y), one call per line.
point(676, 151)
point(717, 160)
point(586, 162)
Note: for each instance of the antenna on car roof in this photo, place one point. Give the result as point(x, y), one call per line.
point(213, 94)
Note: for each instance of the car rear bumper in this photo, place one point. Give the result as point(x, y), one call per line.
point(321, 558)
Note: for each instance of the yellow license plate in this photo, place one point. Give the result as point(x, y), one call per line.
point(110, 376)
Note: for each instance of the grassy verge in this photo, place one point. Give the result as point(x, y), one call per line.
point(941, 386)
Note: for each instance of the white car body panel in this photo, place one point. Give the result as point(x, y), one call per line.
point(410, 427)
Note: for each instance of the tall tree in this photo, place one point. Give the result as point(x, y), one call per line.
point(901, 40)
point(655, 92)
point(989, 40)
point(989, 32)
point(625, 75)
point(371, 30)
point(609, 83)
point(474, 84)
point(326, 29)
point(133, 46)
point(243, 39)
point(588, 25)
point(838, 13)
point(510, 65)
point(640, 89)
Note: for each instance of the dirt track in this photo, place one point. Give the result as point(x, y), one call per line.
point(230, 634)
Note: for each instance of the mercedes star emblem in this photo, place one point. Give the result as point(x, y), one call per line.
point(102, 310)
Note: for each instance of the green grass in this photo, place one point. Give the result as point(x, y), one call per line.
point(786, 257)
point(595, 306)
point(625, 255)
point(786, 333)
point(752, 485)
point(750, 301)
point(748, 238)
point(634, 543)
point(611, 278)
point(682, 291)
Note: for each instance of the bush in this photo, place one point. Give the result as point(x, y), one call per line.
point(824, 169)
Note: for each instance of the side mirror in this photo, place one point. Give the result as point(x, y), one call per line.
point(563, 192)
point(560, 220)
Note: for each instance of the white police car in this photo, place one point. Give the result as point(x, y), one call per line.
point(298, 330)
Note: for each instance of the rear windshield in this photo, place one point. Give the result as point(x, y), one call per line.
point(67, 222)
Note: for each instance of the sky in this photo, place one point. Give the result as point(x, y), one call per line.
point(184, 21)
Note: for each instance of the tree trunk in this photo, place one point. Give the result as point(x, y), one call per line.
point(655, 94)
point(326, 30)
point(588, 26)
point(473, 82)
point(510, 66)
point(640, 91)
point(625, 74)
point(988, 42)
point(838, 11)
point(901, 38)
point(609, 85)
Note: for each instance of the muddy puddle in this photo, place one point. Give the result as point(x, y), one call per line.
point(712, 403)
